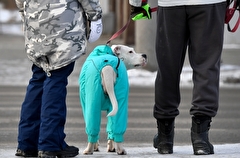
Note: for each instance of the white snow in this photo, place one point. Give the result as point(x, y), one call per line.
point(11, 20)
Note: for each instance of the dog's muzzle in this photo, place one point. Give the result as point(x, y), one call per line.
point(143, 63)
point(144, 60)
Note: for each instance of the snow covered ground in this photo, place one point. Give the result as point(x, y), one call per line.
point(10, 18)
point(230, 76)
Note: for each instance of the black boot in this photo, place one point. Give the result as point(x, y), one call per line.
point(199, 135)
point(163, 140)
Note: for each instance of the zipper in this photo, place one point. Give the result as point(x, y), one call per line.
point(47, 68)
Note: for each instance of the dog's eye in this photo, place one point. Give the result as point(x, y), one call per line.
point(130, 51)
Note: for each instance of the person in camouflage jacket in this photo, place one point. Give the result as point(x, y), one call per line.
point(55, 32)
point(56, 36)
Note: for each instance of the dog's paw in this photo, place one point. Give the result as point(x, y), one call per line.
point(90, 148)
point(111, 150)
point(122, 152)
point(86, 152)
point(96, 150)
point(96, 147)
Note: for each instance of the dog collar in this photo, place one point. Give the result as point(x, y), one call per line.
point(118, 63)
point(118, 66)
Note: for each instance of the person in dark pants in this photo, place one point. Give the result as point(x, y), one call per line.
point(198, 26)
point(48, 115)
point(55, 37)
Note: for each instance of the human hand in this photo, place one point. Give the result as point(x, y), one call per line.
point(143, 12)
point(95, 30)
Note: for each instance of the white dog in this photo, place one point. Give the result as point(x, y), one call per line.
point(104, 86)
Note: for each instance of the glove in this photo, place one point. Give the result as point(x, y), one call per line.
point(95, 30)
point(143, 12)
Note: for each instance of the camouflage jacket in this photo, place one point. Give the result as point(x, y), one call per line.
point(55, 30)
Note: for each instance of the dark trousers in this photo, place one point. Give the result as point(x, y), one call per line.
point(43, 112)
point(199, 28)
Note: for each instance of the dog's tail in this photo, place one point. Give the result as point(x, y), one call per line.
point(114, 102)
point(113, 112)
point(108, 79)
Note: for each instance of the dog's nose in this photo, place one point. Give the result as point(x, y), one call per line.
point(144, 55)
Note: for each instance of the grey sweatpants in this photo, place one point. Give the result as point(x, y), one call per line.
point(200, 28)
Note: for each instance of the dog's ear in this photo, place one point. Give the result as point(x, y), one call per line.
point(116, 49)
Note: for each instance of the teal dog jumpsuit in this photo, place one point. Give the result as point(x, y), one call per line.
point(94, 99)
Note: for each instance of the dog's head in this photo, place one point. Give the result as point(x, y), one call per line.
point(130, 58)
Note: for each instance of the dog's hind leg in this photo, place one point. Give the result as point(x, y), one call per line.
point(110, 146)
point(96, 147)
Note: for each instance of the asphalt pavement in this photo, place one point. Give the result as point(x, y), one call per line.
point(224, 132)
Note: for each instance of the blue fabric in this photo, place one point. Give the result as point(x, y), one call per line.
point(43, 112)
point(93, 99)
